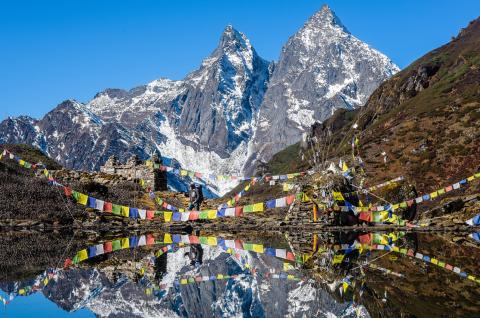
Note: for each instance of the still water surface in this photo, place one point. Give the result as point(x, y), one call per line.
point(305, 275)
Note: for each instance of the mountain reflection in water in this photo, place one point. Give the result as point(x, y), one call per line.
point(330, 274)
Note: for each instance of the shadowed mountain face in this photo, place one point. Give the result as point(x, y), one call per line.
point(208, 120)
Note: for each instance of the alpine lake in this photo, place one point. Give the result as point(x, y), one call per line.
point(328, 274)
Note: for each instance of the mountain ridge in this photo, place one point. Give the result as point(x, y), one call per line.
point(207, 121)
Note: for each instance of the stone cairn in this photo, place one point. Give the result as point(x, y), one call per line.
point(135, 170)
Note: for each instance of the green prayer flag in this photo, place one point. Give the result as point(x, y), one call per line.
point(116, 209)
point(203, 240)
point(116, 245)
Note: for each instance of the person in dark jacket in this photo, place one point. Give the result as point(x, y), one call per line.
point(196, 197)
point(199, 190)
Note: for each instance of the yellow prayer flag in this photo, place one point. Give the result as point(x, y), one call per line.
point(337, 259)
point(45, 281)
point(183, 173)
point(212, 214)
point(433, 195)
point(258, 248)
point(82, 255)
point(258, 207)
point(345, 287)
point(183, 281)
point(470, 178)
point(212, 241)
point(290, 277)
point(167, 238)
point(82, 198)
point(219, 276)
point(125, 242)
point(337, 196)
point(21, 162)
point(125, 211)
point(181, 210)
point(344, 167)
point(167, 216)
point(434, 261)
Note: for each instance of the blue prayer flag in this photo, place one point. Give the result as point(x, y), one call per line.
point(176, 238)
point(134, 213)
point(270, 204)
point(133, 241)
point(270, 251)
point(92, 251)
point(91, 202)
point(221, 213)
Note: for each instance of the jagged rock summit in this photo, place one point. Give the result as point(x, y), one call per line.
point(235, 106)
point(321, 68)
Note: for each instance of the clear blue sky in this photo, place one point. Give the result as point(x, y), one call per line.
point(54, 50)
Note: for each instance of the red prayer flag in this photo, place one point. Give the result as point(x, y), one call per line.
point(107, 247)
point(194, 239)
point(68, 191)
point(150, 214)
point(68, 263)
point(193, 216)
point(449, 267)
point(239, 211)
point(290, 199)
point(365, 216)
point(410, 253)
point(290, 256)
point(150, 239)
point(365, 238)
point(449, 188)
point(107, 207)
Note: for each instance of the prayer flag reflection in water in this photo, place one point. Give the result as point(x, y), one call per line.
point(346, 274)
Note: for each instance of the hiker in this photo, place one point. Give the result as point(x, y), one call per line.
point(196, 197)
point(410, 212)
point(198, 188)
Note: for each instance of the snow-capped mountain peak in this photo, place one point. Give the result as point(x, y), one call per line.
point(234, 110)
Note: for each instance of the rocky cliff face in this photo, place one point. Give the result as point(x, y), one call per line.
point(322, 68)
point(425, 120)
point(207, 120)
